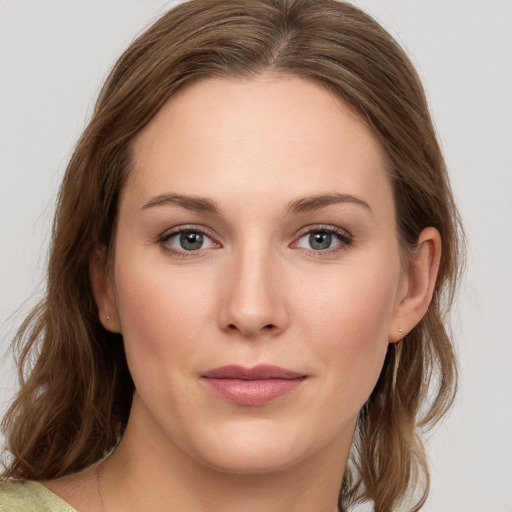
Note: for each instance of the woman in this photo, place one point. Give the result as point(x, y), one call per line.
point(254, 249)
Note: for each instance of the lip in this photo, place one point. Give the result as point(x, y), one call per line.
point(252, 386)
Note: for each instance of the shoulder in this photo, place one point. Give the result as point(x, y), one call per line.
point(30, 496)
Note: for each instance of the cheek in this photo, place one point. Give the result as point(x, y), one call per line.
point(161, 312)
point(347, 326)
point(353, 305)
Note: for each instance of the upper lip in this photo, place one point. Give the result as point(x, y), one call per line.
point(259, 372)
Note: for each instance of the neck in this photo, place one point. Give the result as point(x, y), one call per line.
point(149, 472)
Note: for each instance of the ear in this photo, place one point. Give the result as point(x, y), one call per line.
point(417, 286)
point(103, 290)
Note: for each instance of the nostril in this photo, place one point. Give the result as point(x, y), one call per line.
point(267, 327)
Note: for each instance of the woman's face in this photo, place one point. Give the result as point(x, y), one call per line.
point(257, 228)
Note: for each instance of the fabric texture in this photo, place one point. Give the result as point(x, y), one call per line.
point(30, 497)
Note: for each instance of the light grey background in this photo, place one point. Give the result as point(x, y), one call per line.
point(53, 57)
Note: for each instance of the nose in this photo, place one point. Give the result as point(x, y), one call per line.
point(253, 296)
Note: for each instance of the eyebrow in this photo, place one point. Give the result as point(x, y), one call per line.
point(307, 204)
point(301, 205)
point(199, 204)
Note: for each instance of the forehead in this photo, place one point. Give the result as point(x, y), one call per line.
point(269, 136)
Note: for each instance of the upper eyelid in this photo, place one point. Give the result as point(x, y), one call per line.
point(164, 241)
point(188, 227)
point(324, 227)
point(344, 236)
point(306, 229)
point(212, 235)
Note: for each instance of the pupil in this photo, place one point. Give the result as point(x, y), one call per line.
point(320, 241)
point(191, 241)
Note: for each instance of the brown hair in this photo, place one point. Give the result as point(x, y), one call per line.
point(76, 389)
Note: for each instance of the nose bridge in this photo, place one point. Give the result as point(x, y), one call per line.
point(253, 300)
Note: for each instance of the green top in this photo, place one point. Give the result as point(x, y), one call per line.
point(30, 496)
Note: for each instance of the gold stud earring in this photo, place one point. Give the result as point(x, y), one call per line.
point(108, 318)
point(399, 330)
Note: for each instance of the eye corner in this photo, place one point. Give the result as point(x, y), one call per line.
point(175, 243)
point(327, 235)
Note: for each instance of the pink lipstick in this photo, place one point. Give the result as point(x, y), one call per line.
point(252, 386)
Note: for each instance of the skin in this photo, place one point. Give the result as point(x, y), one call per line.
point(256, 292)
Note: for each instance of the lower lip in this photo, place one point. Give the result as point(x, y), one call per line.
point(252, 392)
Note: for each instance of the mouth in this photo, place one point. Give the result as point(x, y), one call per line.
point(252, 386)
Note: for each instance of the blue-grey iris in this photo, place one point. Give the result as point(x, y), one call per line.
point(191, 241)
point(320, 241)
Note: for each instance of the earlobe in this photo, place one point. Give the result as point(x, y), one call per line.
point(418, 286)
point(103, 290)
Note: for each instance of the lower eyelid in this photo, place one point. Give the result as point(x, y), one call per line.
point(169, 245)
point(342, 236)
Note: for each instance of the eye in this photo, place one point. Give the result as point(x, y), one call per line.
point(187, 240)
point(324, 239)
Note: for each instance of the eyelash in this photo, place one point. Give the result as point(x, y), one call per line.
point(343, 236)
point(185, 229)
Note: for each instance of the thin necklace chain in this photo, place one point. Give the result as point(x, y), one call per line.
point(98, 473)
point(98, 482)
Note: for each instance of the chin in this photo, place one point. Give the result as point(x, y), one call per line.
point(257, 447)
point(251, 460)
